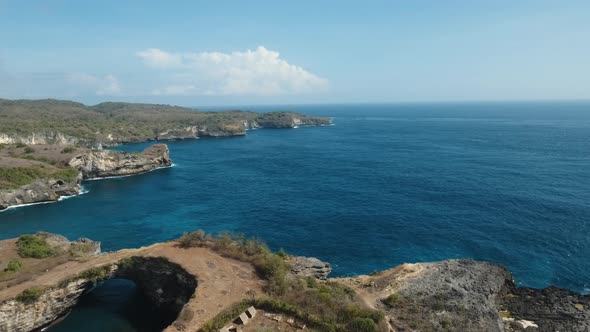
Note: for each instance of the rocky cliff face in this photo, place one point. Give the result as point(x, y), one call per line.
point(45, 190)
point(466, 295)
point(104, 163)
point(20, 316)
point(57, 138)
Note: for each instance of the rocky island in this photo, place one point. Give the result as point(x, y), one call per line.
point(205, 283)
point(47, 147)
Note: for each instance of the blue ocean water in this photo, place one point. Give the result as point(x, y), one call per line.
point(387, 184)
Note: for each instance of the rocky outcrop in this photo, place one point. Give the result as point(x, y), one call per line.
point(80, 248)
point(42, 190)
point(544, 310)
point(467, 295)
point(105, 163)
point(309, 267)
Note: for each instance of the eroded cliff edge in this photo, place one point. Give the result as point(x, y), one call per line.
point(233, 273)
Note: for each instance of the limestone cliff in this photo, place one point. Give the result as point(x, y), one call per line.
point(105, 163)
point(42, 190)
point(23, 316)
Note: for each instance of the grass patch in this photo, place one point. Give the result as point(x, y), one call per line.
point(225, 316)
point(14, 265)
point(33, 246)
point(30, 295)
point(392, 300)
point(15, 177)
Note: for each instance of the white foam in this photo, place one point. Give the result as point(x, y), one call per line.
point(61, 198)
point(28, 204)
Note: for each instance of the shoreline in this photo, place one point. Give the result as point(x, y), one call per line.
point(83, 190)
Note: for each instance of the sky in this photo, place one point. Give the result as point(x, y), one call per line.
point(198, 53)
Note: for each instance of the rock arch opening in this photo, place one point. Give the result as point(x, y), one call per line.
point(148, 292)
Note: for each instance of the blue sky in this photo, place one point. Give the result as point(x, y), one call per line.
point(268, 52)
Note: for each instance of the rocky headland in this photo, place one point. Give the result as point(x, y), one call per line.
point(106, 163)
point(200, 283)
point(50, 181)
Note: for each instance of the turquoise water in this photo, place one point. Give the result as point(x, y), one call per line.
point(388, 184)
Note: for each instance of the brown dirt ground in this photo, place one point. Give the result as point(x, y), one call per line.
point(221, 281)
point(11, 156)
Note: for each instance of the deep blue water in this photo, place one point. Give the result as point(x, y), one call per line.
point(503, 182)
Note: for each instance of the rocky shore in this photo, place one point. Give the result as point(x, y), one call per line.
point(43, 190)
point(91, 164)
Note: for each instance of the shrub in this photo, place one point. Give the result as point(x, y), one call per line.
point(30, 295)
point(33, 246)
point(13, 265)
point(68, 149)
point(96, 273)
point(20, 145)
point(193, 239)
point(29, 149)
point(362, 325)
point(392, 300)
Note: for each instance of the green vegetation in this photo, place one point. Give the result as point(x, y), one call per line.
point(29, 149)
point(323, 306)
point(96, 273)
point(33, 246)
point(30, 295)
point(13, 265)
point(392, 300)
point(21, 145)
point(15, 177)
point(93, 274)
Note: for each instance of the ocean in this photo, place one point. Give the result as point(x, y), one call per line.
point(386, 184)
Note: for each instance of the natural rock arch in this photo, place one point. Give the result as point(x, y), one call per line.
point(167, 285)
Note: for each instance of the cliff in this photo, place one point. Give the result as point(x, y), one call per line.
point(105, 163)
point(41, 190)
point(49, 174)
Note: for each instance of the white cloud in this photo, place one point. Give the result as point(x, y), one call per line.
point(102, 86)
point(258, 72)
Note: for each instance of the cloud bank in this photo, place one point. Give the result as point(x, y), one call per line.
point(261, 72)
